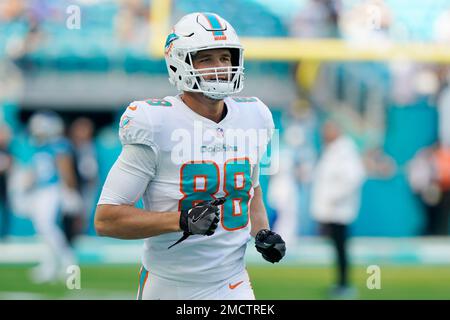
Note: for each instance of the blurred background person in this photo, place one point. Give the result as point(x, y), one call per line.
point(428, 171)
point(81, 134)
point(6, 162)
point(316, 19)
point(442, 163)
point(131, 23)
point(443, 104)
point(283, 198)
point(335, 200)
point(289, 190)
point(53, 191)
point(429, 177)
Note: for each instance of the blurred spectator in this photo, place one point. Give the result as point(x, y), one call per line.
point(442, 163)
point(378, 164)
point(132, 22)
point(429, 176)
point(53, 191)
point(283, 198)
point(6, 161)
point(441, 27)
point(404, 89)
point(81, 134)
point(11, 83)
point(300, 135)
point(336, 197)
point(289, 189)
point(413, 81)
point(366, 21)
point(444, 114)
point(317, 19)
point(24, 33)
point(429, 170)
point(11, 9)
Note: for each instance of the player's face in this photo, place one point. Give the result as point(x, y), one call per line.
point(214, 58)
point(330, 131)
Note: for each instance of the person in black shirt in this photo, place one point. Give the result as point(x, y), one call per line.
point(81, 134)
point(5, 165)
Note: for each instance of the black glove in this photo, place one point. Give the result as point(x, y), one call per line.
point(270, 245)
point(201, 219)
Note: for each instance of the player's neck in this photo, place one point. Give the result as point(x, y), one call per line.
point(206, 107)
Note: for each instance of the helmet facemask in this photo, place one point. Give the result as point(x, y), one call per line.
point(216, 82)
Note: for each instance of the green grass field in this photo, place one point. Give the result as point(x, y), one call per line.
point(269, 282)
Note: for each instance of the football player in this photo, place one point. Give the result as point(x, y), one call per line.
point(52, 191)
point(194, 160)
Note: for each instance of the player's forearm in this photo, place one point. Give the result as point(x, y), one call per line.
point(67, 171)
point(259, 221)
point(258, 214)
point(127, 222)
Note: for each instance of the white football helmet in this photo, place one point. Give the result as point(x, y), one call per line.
point(46, 125)
point(203, 31)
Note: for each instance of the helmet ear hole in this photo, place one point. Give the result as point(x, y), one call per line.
point(174, 69)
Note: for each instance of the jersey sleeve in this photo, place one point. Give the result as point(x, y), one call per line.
point(266, 118)
point(136, 126)
point(255, 176)
point(129, 176)
point(266, 124)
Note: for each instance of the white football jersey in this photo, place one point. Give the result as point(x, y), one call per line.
point(199, 159)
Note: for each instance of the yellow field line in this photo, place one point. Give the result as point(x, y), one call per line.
point(291, 49)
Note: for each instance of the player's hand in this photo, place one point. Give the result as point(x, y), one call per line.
point(201, 219)
point(270, 245)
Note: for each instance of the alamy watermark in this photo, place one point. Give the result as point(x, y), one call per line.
point(374, 279)
point(220, 145)
point(73, 21)
point(73, 281)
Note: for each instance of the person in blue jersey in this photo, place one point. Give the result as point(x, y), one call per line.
point(53, 191)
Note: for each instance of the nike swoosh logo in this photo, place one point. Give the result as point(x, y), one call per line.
point(195, 219)
point(133, 108)
point(234, 286)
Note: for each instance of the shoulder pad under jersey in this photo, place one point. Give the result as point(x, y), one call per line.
point(141, 120)
point(257, 108)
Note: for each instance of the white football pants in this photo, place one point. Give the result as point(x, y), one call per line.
point(44, 213)
point(152, 287)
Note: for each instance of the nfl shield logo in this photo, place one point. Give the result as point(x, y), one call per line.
point(219, 132)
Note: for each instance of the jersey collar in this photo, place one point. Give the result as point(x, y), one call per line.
point(191, 113)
